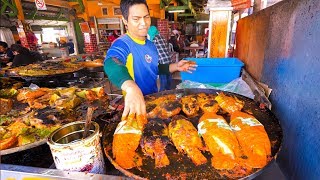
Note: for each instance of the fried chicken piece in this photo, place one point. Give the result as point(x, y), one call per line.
point(252, 138)
point(40, 102)
point(154, 141)
point(185, 138)
point(220, 140)
point(229, 104)
point(189, 105)
point(8, 142)
point(28, 94)
point(126, 140)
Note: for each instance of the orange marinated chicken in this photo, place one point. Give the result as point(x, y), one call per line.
point(252, 138)
point(126, 140)
point(186, 139)
point(220, 140)
point(29, 94)
point(154, 141)
point(190, 105)
point(229, 104)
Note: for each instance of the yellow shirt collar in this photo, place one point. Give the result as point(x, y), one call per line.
point(142, 42)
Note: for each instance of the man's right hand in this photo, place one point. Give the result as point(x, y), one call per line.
point(134, 101)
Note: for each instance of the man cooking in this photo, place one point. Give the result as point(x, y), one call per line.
point(132, 60)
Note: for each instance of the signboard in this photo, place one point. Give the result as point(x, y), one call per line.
point(40, 4)
point(84, 26)
point(241, 4)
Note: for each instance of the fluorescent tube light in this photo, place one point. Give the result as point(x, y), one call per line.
point(174, 11)
point(203, 21)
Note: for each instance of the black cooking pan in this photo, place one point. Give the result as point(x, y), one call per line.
point(181, 167)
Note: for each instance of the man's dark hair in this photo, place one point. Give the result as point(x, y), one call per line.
point(3, 44)
point(19, 48)
point(126, 4)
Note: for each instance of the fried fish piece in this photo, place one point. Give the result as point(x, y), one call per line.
point(154, 141)
point(229, 104)
point(190, 105)
point(220, 140)
point(207, 103)
point(252, 138)
point(165, 109)
point(186, 139)
point(126, 140)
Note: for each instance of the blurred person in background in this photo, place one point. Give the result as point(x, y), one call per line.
point(164, 57)
point(22, 56)
point(6, 54)
point(70, 46)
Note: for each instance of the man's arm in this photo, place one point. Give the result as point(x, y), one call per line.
point(116, 72)
point(119, 76)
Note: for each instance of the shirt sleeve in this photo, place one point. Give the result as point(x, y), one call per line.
point(119, 50)
point(116, 72)
point(115, 63)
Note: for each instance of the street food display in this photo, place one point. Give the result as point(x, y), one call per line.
point(92, 64)
point(194, 134)
point(47, 68)
point(29, 115)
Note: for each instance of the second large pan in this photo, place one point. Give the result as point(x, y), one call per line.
point(181, 167)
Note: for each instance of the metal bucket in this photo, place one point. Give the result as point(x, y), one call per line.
point(72, 152)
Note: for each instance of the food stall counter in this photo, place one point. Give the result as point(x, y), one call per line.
point(9, 172)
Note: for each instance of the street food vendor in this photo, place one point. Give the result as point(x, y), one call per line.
point(6, 55)
point(132, 60)
point(22, 56)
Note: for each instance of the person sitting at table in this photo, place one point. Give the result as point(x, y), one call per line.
point(22, 56)
point(173, 40)
point(5, 53)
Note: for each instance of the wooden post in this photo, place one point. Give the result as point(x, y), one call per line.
point(20, 10)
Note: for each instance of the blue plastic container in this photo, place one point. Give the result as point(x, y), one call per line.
point(214, 70)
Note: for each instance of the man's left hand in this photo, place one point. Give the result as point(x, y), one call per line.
point(186, 66)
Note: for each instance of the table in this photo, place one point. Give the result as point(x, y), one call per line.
point(194, 50)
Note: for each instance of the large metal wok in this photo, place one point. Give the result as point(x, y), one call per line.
point(181, 167)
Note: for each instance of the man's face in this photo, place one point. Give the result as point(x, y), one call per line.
point(138, 21)
point(2, 49)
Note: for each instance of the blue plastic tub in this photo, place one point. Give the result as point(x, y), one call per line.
point(214, 70)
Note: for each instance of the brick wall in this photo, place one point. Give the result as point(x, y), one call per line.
point(163, 28)
point(90, 43)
